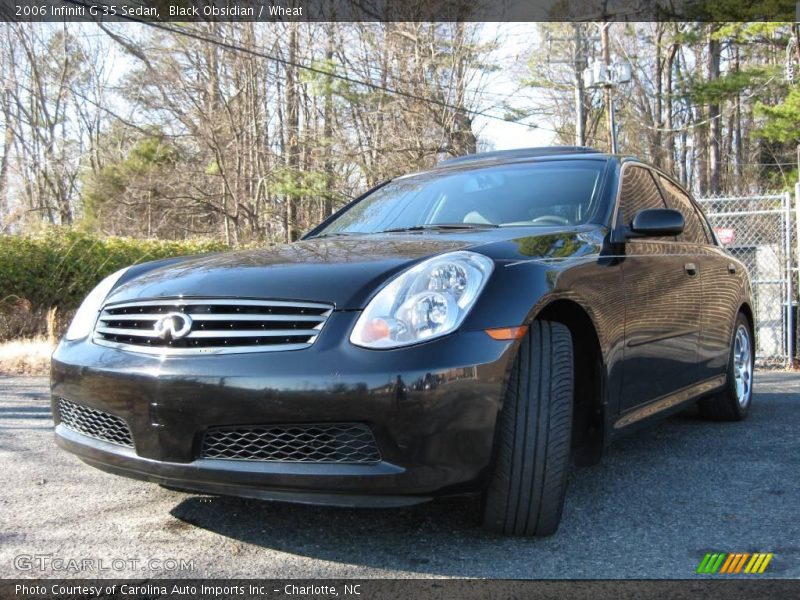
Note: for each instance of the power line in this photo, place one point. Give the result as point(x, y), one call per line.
point(332, 74)
point(310, 68)
point(388, 90)
point(481, 93)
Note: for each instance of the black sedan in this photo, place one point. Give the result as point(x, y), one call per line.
point(469, 329)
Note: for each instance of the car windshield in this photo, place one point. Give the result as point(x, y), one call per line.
point(536, 194)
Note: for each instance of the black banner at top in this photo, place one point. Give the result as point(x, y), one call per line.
point(398, 10)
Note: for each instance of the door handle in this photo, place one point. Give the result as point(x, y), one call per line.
point(732, 268)
point(690, 268)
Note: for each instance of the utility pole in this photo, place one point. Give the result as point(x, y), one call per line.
point(580, 109)
point(597, 74)
point(609, 101)
point(577, 60)
point(604, 74)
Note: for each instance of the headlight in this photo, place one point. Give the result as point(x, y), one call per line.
point(428, 300)
point(83, 322)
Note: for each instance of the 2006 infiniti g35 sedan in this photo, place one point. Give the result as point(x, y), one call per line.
point(469, 329)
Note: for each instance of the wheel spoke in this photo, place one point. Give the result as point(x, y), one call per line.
point(742, 365)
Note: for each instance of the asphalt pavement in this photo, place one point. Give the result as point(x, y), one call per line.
point(660, 500)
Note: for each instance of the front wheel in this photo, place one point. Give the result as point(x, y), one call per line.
point(732, 403)
point(526, 491)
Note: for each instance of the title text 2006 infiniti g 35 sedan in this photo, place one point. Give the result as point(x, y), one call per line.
point(467, 329)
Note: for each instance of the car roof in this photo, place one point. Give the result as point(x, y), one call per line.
point(518, 155)
point(500, 156)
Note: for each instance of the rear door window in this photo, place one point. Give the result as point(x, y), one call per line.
point(694, 231)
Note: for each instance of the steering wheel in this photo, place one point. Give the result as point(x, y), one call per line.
point(551, 220)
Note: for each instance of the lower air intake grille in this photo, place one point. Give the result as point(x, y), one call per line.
point(94, 423)
point(323, 443)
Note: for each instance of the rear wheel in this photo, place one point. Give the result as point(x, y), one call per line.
point(732, 403)
point(526, 491)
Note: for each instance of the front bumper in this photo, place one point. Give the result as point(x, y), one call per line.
point(432, 409)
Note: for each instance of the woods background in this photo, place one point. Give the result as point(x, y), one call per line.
point(215, 135)
point(254, 132)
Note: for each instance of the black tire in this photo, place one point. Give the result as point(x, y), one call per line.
point(525, 495)
point(726, 405)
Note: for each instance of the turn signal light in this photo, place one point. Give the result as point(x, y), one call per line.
point(507, 333)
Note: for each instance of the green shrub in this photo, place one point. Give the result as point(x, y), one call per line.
point(60, 267)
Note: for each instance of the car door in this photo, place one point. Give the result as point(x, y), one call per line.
point(720, 284)
point(662, 295)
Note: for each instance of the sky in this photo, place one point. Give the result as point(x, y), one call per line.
point(516, 43)
point(506, 136)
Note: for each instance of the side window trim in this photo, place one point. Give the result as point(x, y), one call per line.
point(704, 223)
point(616, 217)
point(705, 226)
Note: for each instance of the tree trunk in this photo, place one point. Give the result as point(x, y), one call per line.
point(292, 125)
point(714, 126)
point(8, 140)
point(670, 134)
point(658, 150)
point(327, 128)
point(463, 140)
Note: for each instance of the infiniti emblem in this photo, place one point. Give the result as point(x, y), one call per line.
point(173, 325)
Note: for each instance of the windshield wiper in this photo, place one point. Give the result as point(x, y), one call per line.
point(428, 227)
point(335, 234)
point(440, 226)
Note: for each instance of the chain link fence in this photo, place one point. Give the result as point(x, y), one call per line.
point(761, 231)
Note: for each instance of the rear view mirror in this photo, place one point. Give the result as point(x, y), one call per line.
point(657, 222)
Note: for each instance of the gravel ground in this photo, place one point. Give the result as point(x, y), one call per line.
point(659, 501)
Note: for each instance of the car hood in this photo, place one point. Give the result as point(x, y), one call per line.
point(343, 270)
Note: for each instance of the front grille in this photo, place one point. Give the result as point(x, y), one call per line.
point(321, 443)
point(94, 423)
point(210, 326)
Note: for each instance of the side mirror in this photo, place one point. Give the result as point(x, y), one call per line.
point(656, 222)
